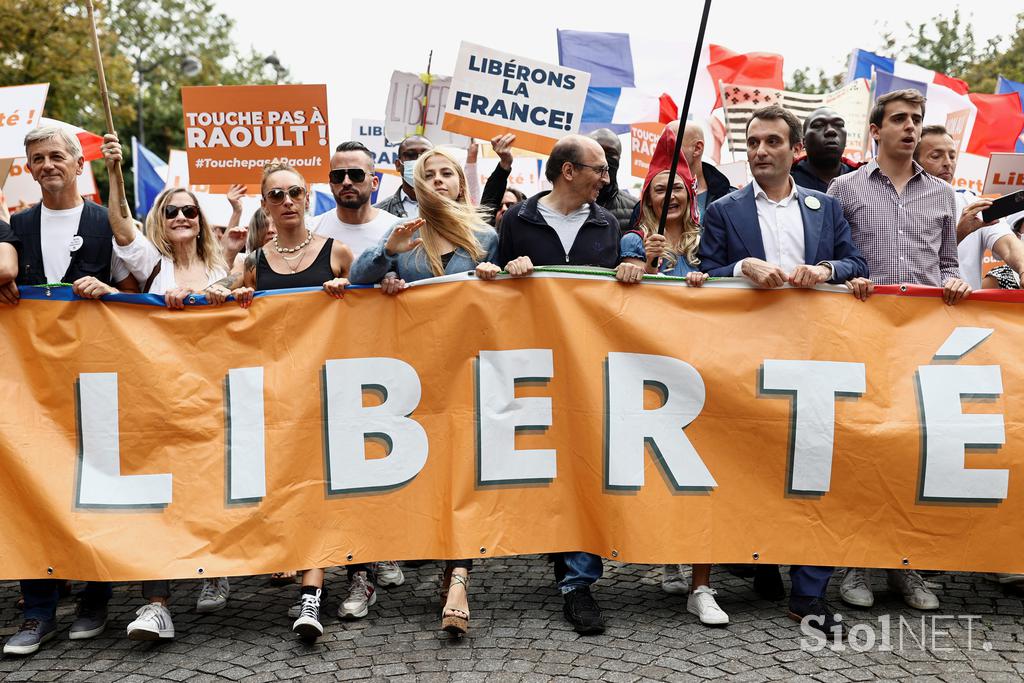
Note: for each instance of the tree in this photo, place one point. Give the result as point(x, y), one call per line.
point(943, 45)
point(996, 61)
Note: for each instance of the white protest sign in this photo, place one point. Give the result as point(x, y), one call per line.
point(496, 92)
point(1005, 173)
point(370, 132)
point(21, 107)
point(405, 111)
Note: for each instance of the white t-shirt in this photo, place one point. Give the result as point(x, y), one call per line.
point(57, 231)
point(358, 238)
point(971, 251)
point(566, 225)
point(141, 258)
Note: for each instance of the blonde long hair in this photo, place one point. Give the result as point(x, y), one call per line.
point(456, 220)
point(689, 240)
point(207, 245)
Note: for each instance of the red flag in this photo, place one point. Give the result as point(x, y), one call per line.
point(752, 68)
point(954, 84)
point(998, 124)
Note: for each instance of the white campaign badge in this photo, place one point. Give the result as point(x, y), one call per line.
point(76, 243)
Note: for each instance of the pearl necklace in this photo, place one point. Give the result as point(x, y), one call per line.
point(292, 250)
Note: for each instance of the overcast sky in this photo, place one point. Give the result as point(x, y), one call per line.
point(354, 47)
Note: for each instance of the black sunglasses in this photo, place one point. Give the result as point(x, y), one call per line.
point(337, 175)
point(188, 211)
point(277, 195)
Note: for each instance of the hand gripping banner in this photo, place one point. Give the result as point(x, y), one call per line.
point(649, 423)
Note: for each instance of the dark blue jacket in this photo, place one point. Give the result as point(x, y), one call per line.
point(525, 233)
point(92, 258)
point(733, 233)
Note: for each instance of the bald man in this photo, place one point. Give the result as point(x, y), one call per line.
point(619, 202)
point(711, 183)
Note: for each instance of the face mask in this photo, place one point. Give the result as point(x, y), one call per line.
point(408, 167)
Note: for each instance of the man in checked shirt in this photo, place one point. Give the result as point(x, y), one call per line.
point(902, 219)
point(904, 223)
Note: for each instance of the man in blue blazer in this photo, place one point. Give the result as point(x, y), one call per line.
point(773, 233)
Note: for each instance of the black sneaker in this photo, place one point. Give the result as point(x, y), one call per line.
point(768, 583)
point(90, 621)
point(582, 612)
point(815, 614)
point(308, 626)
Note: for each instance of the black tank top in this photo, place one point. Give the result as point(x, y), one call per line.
point(315, 275)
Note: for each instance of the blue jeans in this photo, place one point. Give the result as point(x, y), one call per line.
point(808, 581)
point(581, 569)
point(41, 597)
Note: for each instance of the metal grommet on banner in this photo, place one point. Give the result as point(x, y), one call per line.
point(48, 292)
point(200, 570)
point(615, 553)
point(49, 570)
point(903, 288)
point(906, 561)
point(756, 556)
point(483, 551)
point(348, 558)
point(191, 299)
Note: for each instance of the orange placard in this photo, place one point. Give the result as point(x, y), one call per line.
point(643, 139)
point(233, 131)
point(651, 423)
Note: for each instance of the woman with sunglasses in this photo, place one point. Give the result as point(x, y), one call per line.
point(178, 253)
point(450, 236)
point(294, 257)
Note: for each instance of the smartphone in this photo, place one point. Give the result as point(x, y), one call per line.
point(1004, 206)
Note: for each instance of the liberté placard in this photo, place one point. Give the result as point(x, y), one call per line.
point(233, 131)
point(496, 92)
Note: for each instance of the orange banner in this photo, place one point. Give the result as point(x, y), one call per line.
point(652, 423)
point(232, 131)
point(643, 139)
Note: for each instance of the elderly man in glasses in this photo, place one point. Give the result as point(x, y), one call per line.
point(354, 222)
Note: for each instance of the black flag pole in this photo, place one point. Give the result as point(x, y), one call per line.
point(682, 116)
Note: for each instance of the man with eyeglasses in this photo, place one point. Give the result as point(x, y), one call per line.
point(566, 226)
point(62, 239)
point(354, 222)
point(403, 202)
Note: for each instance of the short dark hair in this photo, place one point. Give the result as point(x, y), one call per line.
point(356, 146)
point(933, 129)
point(774, 112)
point(911, 95)
point(565, 150)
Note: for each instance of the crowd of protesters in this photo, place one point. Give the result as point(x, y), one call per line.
point(808, 217)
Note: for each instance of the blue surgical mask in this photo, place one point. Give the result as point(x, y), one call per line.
point(408, 168)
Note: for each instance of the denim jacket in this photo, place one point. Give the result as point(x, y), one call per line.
point(373, 264)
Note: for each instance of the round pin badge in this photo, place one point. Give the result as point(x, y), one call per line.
point(812, 203)
point(76, 243)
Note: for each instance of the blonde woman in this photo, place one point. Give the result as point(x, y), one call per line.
point(450, 236)
point(178, 253)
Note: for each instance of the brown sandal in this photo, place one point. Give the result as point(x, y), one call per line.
point(453, 620)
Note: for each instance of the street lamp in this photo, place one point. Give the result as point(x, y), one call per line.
point(279, 71)
point(189, 66)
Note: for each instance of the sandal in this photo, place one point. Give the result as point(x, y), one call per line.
point(283, 578)
point(453, 620)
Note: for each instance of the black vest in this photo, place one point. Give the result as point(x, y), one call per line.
point(92, 258)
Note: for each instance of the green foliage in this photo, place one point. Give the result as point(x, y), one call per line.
point(995, 61)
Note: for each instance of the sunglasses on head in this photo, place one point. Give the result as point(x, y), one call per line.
point(188, 211)
point(277, 195)
point(337, 175)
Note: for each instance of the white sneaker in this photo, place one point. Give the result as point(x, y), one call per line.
point(361, 595)
point(213, 595)
point(389, 573)
point(915, 593)
point(153, 623)
point(856, 588)
point(675, 579)
point(308, 626)
point(702, 603)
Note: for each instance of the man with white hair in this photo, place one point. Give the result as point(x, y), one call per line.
point(62, 239)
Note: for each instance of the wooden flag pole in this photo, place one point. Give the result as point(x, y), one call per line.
point(125, 212)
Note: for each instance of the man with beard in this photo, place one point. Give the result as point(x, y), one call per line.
point(619, 202)
point(824, 142)
point(354, 222)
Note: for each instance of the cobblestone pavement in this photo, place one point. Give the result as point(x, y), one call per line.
point(517, 633)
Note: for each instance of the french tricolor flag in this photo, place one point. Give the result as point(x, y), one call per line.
point(90, 142)
point(645, 80)
point(995, 121)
